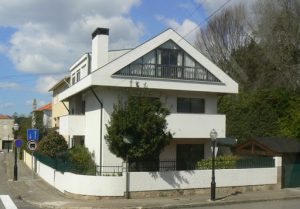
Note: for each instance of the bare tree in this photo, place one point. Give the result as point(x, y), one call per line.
point(223, 33)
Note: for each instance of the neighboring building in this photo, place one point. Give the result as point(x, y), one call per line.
point(59, 108)
point(172, 69)
point(6, 132)
point(46, 111)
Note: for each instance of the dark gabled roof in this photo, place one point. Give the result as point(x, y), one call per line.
point(269, 146)
point(280, 144)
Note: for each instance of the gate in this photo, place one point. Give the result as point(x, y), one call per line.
point(291, 175)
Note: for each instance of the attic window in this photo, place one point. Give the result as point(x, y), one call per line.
point(168, 61)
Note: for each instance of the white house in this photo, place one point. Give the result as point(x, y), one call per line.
point(185, 81)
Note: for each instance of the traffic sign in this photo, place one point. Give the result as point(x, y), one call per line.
point(19, 143)
point(32, 134)
point(32, 145)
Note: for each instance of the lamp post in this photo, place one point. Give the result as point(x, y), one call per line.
point(16, 128)
point(213, 135)
point(127, 140)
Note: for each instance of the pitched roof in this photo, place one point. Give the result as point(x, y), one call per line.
point(280, 144)
point(104, 76)
point(5, 117)
point(45, 107)
point(269, 146)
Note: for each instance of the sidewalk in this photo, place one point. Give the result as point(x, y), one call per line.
point(38, 192)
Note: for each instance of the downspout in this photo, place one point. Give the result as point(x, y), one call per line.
point(101, 119)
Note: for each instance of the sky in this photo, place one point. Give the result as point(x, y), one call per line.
point(41, 39)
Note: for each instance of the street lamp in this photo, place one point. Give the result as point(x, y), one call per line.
point(213, 135)
point(16, 128)
point(127, 140)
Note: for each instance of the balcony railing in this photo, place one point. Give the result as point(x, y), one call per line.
point(168, 71)
point(72, 125)
point(188, 125)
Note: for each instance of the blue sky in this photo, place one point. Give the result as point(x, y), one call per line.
point(39, 40)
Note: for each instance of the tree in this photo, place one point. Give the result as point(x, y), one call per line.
point(223, 34)
point(52, 144)
point(142, 119)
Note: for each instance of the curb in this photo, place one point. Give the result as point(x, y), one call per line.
point(192, 205)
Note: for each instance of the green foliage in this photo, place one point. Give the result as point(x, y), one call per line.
point(80, 157)
point(52, 144)
point(142, 119)
point(262, 113)
point(222, 162)
point(39, 124)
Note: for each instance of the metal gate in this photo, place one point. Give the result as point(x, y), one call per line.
point(291, 175)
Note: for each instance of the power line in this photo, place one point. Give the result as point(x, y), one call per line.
point(12, 76)
point(205, 20)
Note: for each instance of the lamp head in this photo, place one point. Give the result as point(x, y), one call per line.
point(16, 127)
point(213, 135)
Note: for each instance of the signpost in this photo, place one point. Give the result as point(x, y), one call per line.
point(33, 134)
point(32, 137)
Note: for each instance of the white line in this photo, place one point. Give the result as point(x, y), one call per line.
point(7, 202)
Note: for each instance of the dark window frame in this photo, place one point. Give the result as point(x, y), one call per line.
point(189, 108)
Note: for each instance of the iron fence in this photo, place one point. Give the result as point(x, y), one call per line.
point(63, 165)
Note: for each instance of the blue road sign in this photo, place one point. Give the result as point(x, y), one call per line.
point(32, 134)
point(19, 143)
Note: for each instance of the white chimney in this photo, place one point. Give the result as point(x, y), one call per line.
point(99, 48)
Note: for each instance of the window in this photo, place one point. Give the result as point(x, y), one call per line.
point(73, 79)
point(83, 107)
point(190, 105)
point(78, 76)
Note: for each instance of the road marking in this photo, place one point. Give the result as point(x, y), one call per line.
point(7, 202)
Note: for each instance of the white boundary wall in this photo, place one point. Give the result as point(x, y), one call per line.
point(151, 181)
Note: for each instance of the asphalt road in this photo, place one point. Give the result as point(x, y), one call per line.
point(5, 190)
point(280, 204)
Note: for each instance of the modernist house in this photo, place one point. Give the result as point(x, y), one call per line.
point(46, 111)
point(58, 108)
point(174, 71)
point(6, 132)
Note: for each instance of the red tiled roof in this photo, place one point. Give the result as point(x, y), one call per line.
point(45, 107)
point(5, 117)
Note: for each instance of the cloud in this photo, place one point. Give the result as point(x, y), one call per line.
point(8, 85)
point(3, 48)
point(44, 83)
point(6, 105)
point(51, 35)
point(187, 28)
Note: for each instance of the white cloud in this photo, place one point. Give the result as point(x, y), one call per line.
point(6, 105)
point(188, 29)
point(51, 35)
point(8, 85)
point(44, 83)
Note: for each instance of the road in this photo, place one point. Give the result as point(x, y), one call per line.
point(8, 200)
point(280, 204)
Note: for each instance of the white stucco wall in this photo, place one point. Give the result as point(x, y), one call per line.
point(150, 181)
point(145, 181)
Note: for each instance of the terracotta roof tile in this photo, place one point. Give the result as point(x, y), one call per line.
point(45, 107)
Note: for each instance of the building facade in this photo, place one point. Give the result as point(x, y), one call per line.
point(185, 81)
point(6, 132)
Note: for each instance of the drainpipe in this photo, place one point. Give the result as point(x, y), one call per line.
point(101, 119)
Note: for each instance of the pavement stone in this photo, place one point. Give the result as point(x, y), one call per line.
point(39, 193)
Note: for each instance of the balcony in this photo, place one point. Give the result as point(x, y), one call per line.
point(72, 125)
point(196, 125)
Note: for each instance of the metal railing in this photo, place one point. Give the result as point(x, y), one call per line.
point(168, 71)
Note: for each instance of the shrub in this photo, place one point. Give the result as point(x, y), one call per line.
point(52, 144)
point(222, 162)
point(81, 160)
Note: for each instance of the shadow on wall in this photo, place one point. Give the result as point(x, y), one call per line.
point(173, 178)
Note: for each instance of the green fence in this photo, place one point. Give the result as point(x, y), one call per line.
point(291, 175)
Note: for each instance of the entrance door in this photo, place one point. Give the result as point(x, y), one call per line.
point(187, 155)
